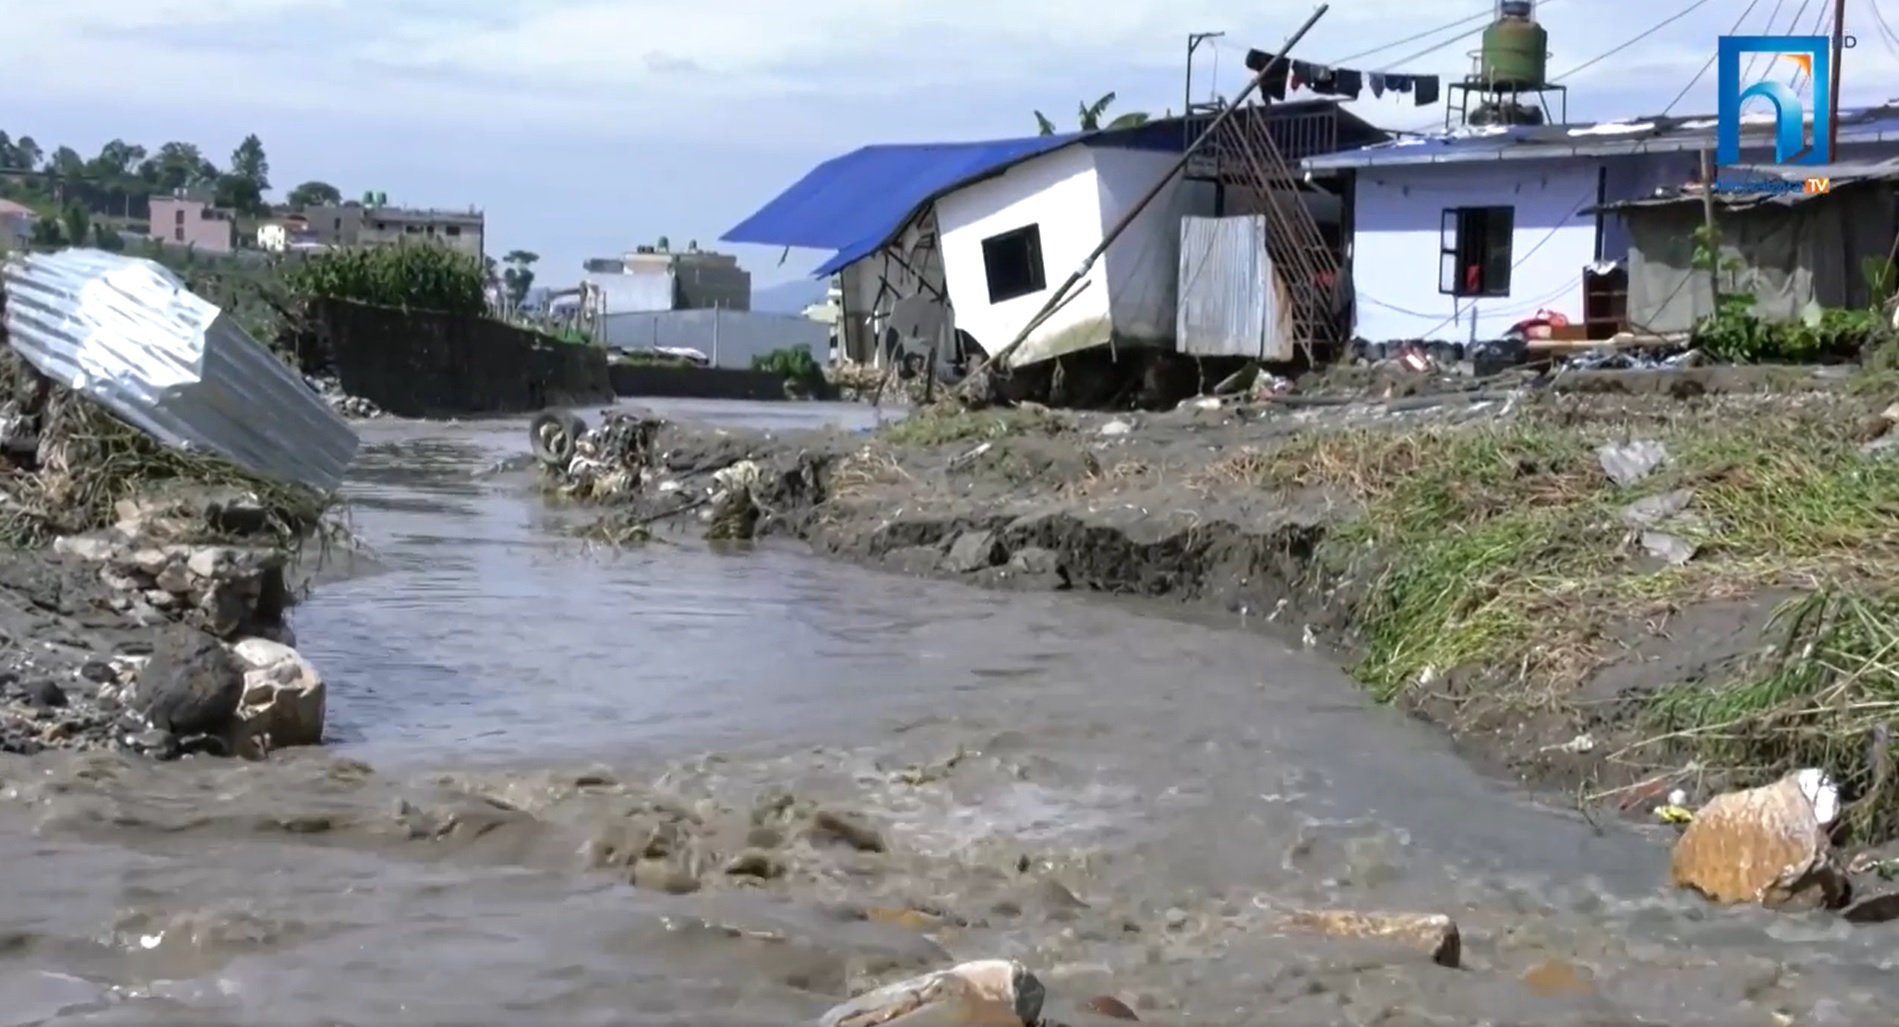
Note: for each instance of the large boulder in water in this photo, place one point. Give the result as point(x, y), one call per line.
point(1767, 845)
point(192, 684)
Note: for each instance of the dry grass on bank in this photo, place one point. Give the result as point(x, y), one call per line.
point(89, 460)
point(945, 424)
point(1505, 547)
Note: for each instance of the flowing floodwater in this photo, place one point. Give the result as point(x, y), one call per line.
point(1124, 800)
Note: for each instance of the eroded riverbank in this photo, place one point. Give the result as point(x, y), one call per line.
point(1127, 803)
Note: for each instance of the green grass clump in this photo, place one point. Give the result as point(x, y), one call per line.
point(1504, 545)
point(1824, 695)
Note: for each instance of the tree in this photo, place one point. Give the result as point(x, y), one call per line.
point(1089, 116)
point(178, 166)
point(236, 192)
point(314, 194)
point(76, 221)
point(67, 163)
point(29, 153)
point(519, 276)
point(117, 160)
point(249, 163)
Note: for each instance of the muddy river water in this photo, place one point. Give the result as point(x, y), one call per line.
point(1125, 800)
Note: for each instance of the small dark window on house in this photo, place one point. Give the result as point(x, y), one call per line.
point(178, 233)
point(452, 230)
point(1475, 250)
point(1013, 263)
point(413, 229)
point(338, 226)
point(178, 216)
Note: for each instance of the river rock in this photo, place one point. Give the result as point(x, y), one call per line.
point(284, 696)
point(984, 993)
point(191, 685)
point(1767, 845)
point(1434, 934)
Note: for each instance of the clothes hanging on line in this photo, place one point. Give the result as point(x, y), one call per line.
point(1342, 82)
point(1273, 85)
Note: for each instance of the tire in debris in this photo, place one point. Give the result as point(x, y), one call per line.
point(554, 434)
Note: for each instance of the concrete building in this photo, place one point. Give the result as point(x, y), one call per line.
point(353, 224)
point(16, 225)
point(1461, 236)
point(646, 279)
point(184, 220)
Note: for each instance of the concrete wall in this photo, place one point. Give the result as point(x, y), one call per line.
point(731, 338)
point(423, 364)
point(1397, 245)
point(695, 382)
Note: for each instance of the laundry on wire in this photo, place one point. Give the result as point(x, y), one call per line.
point(1348, 83)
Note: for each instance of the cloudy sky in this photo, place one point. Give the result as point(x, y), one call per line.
point(586, 126)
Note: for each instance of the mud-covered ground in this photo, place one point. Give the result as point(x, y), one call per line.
point(1460, 544)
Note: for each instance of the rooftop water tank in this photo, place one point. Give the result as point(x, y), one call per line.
point(1515, 51)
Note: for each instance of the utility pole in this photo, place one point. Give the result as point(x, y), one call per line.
point(1833, 86)
point(1194, 40)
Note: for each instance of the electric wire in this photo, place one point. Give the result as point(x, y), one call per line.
point(1692, 7)
point(1887, 34)
point(1732, 29)
point(1753, 59)
point(1561, 223)
point(1800, 82)
point(1414, 37)
point(1651, 30)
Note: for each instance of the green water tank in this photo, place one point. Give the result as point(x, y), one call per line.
point(1515, 50)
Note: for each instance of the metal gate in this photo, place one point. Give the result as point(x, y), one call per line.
point(1227, 301)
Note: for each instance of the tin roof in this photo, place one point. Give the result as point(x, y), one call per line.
point(1590, 139)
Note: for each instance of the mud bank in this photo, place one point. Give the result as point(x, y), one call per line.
point(1481, 557)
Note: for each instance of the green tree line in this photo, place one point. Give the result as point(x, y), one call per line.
point(119, 180)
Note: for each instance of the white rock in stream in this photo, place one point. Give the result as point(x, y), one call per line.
point(284, 696)
point(984, 993)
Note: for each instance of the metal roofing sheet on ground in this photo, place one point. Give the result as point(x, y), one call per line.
point(852, 204)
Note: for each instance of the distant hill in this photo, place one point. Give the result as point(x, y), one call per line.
point(789, 297)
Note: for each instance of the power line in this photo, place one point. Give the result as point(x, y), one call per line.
point(1414, 37)
point(1886, 32)
point(1651, 30)
point(1732, 30)
point(1611, 52)
point(1754, 58)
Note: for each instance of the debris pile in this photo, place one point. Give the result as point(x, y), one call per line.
point(169, 506)
point(599, 464)
point(353, 408)
point(865, 383)
point(619, 464)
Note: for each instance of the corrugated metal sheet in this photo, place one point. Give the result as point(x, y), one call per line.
point(1227, 305)
point(128, 334)
point(636, 293)
point(730, 338)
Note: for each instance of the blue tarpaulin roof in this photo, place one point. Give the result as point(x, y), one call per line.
point(853, 204)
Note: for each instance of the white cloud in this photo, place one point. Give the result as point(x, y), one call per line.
point(664, 66)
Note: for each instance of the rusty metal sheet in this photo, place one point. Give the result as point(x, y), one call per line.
point(1228, 305)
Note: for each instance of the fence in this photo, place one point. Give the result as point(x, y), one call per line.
point(731, 338)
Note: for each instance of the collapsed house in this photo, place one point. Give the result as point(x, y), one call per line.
point(955, 248)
